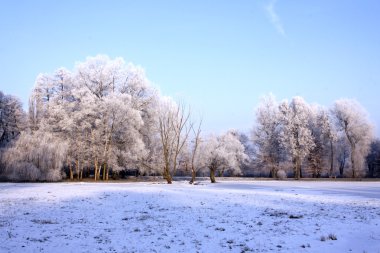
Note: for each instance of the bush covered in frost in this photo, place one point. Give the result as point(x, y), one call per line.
point(35, 157)
point(281, 174)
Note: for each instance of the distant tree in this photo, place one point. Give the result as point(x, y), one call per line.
point(12, 118)
point(222, 153)
point(316, 156)
point(12, 123)
point(296, 136)
point(247, 166)
point(194, 155)
point(329, 136)
point(174, 129)
point(343, 153)
point(324, 137)
point(352, 119)
point(373, 158)
point(266, 135)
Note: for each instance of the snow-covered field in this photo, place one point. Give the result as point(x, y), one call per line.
point(230, 216)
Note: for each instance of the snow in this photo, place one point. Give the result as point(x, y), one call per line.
point(229, 216)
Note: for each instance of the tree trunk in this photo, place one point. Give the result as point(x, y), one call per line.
point(193, 174)
point(273, 172)
point(71, 172)
point(353, 165)
point(81, 170)
point(331, 159)
point(297, 174)
point(212, 175)
point(169, 179)
point(167, 175)
point(95, 169)
point(107, 172)
point(104, 171)
point(78, 169)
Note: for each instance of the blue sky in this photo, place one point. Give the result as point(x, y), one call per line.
point(219, 56)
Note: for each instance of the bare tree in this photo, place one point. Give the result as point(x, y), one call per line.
point(174, 128)
point(194, 151)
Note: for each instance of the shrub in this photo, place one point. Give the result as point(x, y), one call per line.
point(281, 174)
point(35, 157)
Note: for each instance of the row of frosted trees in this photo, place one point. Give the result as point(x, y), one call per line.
point(104, 116)
point(310, 140)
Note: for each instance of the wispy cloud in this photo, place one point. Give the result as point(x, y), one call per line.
point(274, 18)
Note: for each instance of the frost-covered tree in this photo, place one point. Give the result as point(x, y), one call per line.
point(315, 158)
point(35, 156)
point(266, 135)
point(12, 123)
point(373, 158)
point(342, 153)
point(102, 109)
point(321, 156)
point(329, 136)
point(352, 119)
point(296, 136)
point(247, 166)
point(222, 153)
point(12, 118)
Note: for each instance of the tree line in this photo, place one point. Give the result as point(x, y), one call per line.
point(105, 118)
point(324, 142)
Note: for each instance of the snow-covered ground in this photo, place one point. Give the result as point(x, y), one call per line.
point(230, 216)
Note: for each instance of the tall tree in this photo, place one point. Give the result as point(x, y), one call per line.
point(296, 136)
point(329, 137)
point(373, 158)
point(195, 151)
point(12, 123)
point(352, 119)
point(266, 135)
point(324, 137)
point(174, 129)
point(102, 109)
point(12, 118)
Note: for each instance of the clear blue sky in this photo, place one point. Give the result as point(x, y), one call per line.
point(219, 56)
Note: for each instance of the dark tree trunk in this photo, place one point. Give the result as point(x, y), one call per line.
point(341, 167)
point(167, 175)
point(78, 170)
point(71, 171)
point(193, 173)
point(104, 172)
point(297, 168)
point(212, 175)
point(353, 163)
point(107, 173)
point(331, 159)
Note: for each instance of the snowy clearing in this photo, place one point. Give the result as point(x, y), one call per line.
point(230, 216)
